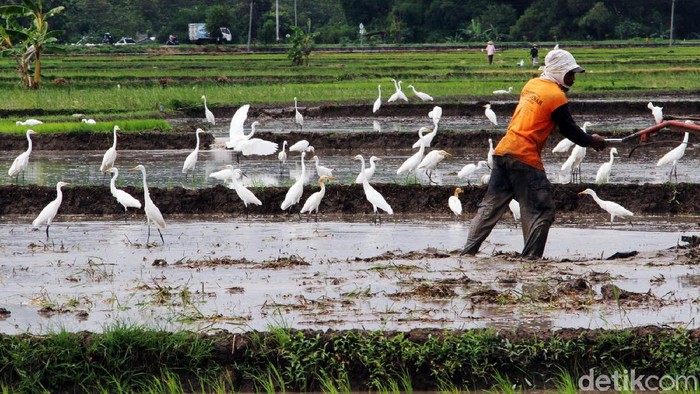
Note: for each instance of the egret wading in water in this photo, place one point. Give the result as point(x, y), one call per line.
point(49, 212)
point(282, 156)
point(191, 160)
point(301, 146)
point(421, 95)
point(241, 191)
point(431, 161)
point(564, 145)
point(673, 156)
point(321, 170)
point(296, 190)
point(298, 117)
point(613, 208)
point(123, 198)
point(603, 175)
point(249, 146)
point(314, 201)
point(378, 101)
point(207, 113)
point(21, 162)
point(152, 212)
point(468, 170)
point(412, 163)
point(490, 114)
point(455, 204)
point(572, 165)
point(110, 155)
point(373, 196)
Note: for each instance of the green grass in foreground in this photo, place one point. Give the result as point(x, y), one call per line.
point(135, 359)
point(10, 127)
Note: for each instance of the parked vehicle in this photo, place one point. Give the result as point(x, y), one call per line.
point(199, 34)
point(125, 41)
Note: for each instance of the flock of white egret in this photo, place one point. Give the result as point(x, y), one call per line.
point(243, 143)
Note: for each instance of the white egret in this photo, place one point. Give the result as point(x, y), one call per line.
point(282, 156)
point(241, 191)
point(88, 121)
point(412, 163)
point(376, 126)
point(613, 208)
point(501, 91)
point(565, 144)
point(485, 179)
point(21, 162)
point(427, 139)
point(514, 207)
point(431, 161)
point(207, 113)
point(49, 212)
point(421, 95)
point(249, 146)
point(657, 112)
point(236, 128)
point(603, 175)
point(191, 160)
point(321, 170)
point(521, 63)
point(673, 156)
point(110, 155)
point(398, 95)
point(123, 198)
point(369, 172)
point(153, 214)
point(373, 196)
point(455, 204)
point(298, 117)
point(378, 101)
point(573, 163)
point(222, 175)
point(29, 122)
point(301, 146)
point(297, 189)
point(435, 115)
point(489, 155)
point(469, 169)
point(490, 114)
point(314, 201)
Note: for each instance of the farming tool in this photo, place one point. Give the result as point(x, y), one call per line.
point(645, 135)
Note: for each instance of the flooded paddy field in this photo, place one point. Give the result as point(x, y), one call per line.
point(214, 272)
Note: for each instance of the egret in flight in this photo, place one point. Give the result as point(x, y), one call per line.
point(207, 113)
point(152, 212)
point(49, 212)
point(123, 198)
point(21, 162)
point(373, 196)
point(673, 156)
point(235, 131)
point(613, 208)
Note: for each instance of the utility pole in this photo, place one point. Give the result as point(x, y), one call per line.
point(250, 24)
point(277, 19)
point(673, 10)
point(295, 12)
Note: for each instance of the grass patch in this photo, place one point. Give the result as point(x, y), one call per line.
point(126, 126)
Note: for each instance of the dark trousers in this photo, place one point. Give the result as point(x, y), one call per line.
point(490, 59)
point(529, 186)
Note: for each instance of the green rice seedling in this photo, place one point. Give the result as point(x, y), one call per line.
point(504, 385)
point(271, 381)
point(565, 383)
point(334, 385)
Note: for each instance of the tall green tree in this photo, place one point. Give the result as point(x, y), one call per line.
point(37, 36)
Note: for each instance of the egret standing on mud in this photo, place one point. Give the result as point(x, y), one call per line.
point(373, 196)
point(314, 201)
point(603, 175)
point(454, 203)
point(490, 114)
point(378, 101)
point(673, 156)
point(21, 162)
point(49, 212)
point(207, 113)
point(152, 212)
point(657, 112)
point(613, 208)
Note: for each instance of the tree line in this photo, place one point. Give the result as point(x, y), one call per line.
point(387, 21)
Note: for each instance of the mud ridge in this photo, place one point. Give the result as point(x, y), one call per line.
point(647, 199)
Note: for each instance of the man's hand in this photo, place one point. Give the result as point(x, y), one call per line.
point(598, 142)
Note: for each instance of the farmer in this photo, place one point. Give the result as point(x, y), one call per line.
point(534, 53)
point(490, 51)
point(518, 172)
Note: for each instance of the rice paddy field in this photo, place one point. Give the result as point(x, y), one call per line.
point(229, 298)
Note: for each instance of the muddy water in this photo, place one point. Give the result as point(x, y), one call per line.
point(165, 167)
point(93, 274)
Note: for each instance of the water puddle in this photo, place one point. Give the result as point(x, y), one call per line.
point(405, 273)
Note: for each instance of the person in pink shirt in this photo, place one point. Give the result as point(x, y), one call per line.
point(490, 51)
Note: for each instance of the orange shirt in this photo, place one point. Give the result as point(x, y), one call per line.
point(532, 122)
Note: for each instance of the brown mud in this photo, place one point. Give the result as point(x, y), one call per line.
point(647, 199)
